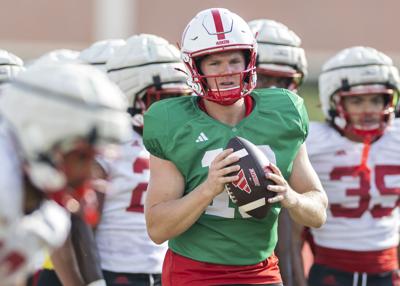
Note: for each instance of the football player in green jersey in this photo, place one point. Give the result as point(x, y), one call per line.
point(210, 241)
point(282, 63)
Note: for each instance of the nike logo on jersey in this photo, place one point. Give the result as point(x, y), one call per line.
point(202, 138)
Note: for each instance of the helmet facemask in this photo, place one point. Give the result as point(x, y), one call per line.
point(70, 165)
point(224, 96)
point(290, 80)
point(159, 91)
point(368, 125)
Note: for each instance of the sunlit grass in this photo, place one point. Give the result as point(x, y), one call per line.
point(309, 91)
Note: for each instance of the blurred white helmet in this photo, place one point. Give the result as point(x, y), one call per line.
point(357, 71)
point(99, 52)
point(279, 52)
point(147, 69)
point(213, 31)
point(62, 106)
point(10, 66)
point(62, 56)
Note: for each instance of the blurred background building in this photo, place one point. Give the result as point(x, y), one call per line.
point(30, 28)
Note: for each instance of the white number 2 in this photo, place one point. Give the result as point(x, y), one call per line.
point(220, 205)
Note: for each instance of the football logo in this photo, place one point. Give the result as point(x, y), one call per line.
point(242, 183)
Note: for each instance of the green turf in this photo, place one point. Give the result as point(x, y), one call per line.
point(309, 91)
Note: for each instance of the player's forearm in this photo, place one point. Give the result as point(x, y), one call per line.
point(86, 252)
point(65, 265)
point(310, 209)
point(283, 247)
point(297, 243)
point(166, 220)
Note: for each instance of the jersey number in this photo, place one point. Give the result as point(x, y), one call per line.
point(137, 198)
point(362, 191)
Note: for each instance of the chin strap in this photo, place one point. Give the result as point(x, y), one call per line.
point(364, 168)
point(224, 97)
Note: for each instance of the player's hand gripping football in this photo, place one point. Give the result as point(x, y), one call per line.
point(284, 193)
point(218, 171)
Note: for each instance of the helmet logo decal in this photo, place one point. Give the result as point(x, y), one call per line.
point(223, 42)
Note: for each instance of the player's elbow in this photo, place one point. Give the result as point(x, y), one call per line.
point(155, 235)
point(318, 220)
point(154, 230)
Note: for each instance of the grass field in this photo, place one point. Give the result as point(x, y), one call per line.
point(309, 91)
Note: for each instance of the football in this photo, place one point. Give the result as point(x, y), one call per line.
point(250, 191)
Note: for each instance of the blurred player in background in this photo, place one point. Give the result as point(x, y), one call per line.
point(281, 63)
point(77, 261)
point(145, 70)
point(53, 120)
point(355, 154)
point(210, 241)
point(10, 66)
point(59, 56)
point(100, 52)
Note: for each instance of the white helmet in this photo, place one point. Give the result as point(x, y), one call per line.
point(212, 31)
point(63, 56)
point(10, 66)
point(357, 71)
point(62, 104)
point(147, 69)
point(99, 52)
point(279, 51)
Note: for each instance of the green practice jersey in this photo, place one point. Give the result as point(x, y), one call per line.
point(179, 131)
